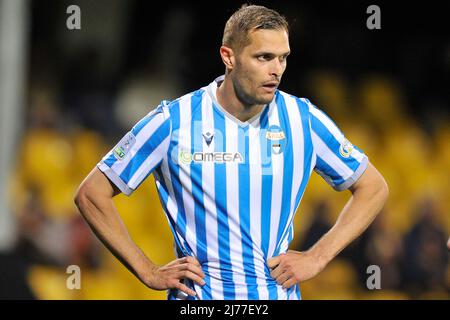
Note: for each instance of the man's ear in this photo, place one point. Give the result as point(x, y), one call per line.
point(228, 57)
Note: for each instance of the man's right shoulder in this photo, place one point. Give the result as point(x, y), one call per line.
point(183, 101)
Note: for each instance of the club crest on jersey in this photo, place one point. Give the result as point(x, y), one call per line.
point(346, 148)
point(124, 146)
point(276, 139)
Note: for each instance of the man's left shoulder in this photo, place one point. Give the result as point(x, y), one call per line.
point(292, 99)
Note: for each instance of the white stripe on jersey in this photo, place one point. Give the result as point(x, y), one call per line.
point(297, 145)
point(184, 144)
point(255, 209)
point(231, 134)
point(211, 221)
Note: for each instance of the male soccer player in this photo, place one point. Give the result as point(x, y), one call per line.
point(231, 162)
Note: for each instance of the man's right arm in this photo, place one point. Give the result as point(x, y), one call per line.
point(94, 199)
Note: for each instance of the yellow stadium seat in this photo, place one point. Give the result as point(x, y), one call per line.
point(49, 283)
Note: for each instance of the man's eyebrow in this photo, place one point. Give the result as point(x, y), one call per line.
point(266, 53)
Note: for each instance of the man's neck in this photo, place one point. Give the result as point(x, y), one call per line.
point(227, 98)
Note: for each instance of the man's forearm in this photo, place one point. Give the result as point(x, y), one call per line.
point(105, 222)
point(94, 199)
point(362, 208)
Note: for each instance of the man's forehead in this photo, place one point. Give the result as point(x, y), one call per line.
point(273, 40)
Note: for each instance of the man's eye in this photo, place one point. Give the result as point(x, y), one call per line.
point(264, 57)
point(283, 58)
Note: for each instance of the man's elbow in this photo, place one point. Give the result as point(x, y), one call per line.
point(92, 190)
point(81, 198)
point(373, 185)
point(383, 190)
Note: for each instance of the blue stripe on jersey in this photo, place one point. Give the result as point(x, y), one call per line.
point(197, 189)
point(288, 169)
point(289, 292)
point(164, 199)
point(266, 201)
point(220, 178)
point(335, 178)
point(291, 234)
point(172, 294)
point(110, 160)
point(297, 291)
point(334, 145)
point(180, 224)
point(244, 214)
point(146, 150)
point(266, 184)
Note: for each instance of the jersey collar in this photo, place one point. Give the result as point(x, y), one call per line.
point(212, 92)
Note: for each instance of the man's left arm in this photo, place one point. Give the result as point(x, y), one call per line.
point(369, 194)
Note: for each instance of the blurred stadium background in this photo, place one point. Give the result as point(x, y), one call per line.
point(67, 96)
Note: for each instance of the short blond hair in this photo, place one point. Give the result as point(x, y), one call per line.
point(248, 18)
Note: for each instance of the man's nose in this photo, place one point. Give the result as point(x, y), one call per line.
point(276, 68)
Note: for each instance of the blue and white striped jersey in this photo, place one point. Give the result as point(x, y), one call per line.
point(230, 189)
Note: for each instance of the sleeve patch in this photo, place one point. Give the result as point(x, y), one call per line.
point(346, 148)
point(124, 146)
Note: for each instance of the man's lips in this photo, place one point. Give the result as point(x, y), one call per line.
point(270, 85)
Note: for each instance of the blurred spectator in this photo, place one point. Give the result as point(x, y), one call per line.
point(59, 242)
point(426, 257)
point(41, 239)
point(319, 226)
point(381, 245)
point(44, 241)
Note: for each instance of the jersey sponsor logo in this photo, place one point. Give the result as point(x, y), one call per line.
point(346, 148)
point(216, 157)
point(276, 139)
point(124, 146)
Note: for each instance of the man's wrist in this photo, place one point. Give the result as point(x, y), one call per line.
point(145, 270)
point(321, 256)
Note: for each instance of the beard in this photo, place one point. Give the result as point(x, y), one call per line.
point(247, 96)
